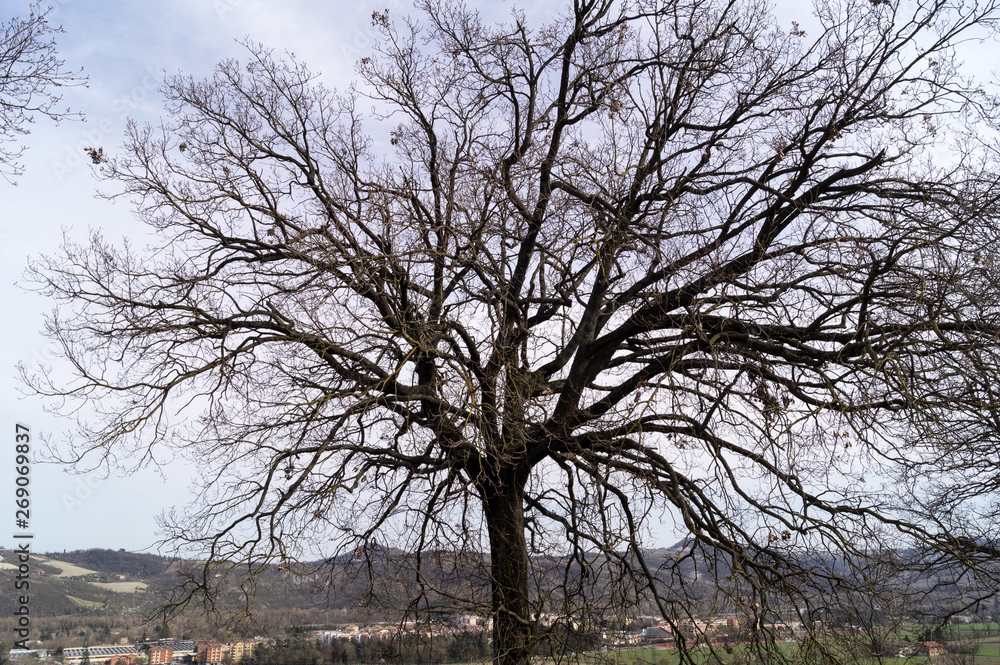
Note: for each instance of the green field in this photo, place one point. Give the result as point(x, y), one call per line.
point(988, 654)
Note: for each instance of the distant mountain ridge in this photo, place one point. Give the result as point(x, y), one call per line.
point(93, 581)
point(98, 581)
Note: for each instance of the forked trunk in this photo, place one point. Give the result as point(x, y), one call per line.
point(512, 622)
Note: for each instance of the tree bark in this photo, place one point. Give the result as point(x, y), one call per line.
point(512, 622)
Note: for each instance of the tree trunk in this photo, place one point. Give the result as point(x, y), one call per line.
point(512, 622)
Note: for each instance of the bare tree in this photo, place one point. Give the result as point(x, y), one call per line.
point(29, 72)
point(651, 263)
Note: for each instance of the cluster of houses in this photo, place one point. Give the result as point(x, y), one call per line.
point(921, 649)
point(159, 653)
point(693, 630)
point(461, 623)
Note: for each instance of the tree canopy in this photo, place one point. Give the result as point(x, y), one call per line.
point(540, 294)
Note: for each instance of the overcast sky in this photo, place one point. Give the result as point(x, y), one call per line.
point(126, 47)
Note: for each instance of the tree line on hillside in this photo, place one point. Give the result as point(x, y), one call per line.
point(121, 562)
